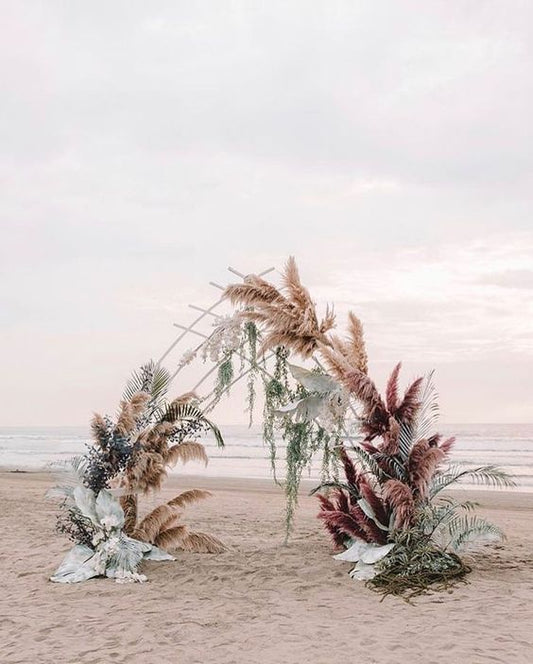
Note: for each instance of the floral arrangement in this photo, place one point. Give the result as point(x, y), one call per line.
point(128, 458)
point(389, 516)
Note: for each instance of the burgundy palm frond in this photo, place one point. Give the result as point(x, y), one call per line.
point(410, 403)
point(391, 393)
point(387, 465)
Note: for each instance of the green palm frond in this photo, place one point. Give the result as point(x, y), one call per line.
point(488, 475)
point(151, 378)
point(470, 531)
point(398, 468)
point(369, 464)
point(188, 412)
point(424, 422)
point(435, 517)
point(405, 440)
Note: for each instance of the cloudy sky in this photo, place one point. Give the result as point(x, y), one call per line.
point(147, 146)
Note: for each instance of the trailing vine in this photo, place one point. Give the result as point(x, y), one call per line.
point(237, 337)
point(251, 336)
point(225, 374)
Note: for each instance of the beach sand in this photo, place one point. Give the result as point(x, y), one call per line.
point(260, 602)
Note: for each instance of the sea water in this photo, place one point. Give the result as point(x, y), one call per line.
point(509, 446)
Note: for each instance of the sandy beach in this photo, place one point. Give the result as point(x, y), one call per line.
point(260, 601)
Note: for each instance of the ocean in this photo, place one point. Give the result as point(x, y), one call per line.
point(509, 446)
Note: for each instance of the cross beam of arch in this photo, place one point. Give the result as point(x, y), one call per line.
point(192, 328)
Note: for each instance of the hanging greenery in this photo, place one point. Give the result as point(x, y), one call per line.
point(238, 336)
point(251, 336)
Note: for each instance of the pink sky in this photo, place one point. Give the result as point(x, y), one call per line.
point(386, 145)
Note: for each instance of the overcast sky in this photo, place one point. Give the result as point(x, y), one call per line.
point(146, 146)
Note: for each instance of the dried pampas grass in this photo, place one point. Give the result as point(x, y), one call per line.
point(202, 543)
point(129, 504)
point(400, 498)
point(189, 497)
point(159, 527)
point(130, 411)
point(335, 359)
point(181, 538)
point(147, 472)
point(391, 393)
point(411, 401)
point(289, 320)
point(422, 464)
point(99, 430)
point(171, 538)
point(184, 452)
point(149, 528)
